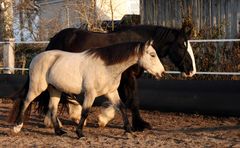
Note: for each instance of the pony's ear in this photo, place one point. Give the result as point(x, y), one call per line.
point(187, 30)
point(149, 43)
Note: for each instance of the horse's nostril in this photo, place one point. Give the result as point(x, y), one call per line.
point(188, 73)
point(163, 73)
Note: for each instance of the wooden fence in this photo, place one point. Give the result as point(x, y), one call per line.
point(219, 17)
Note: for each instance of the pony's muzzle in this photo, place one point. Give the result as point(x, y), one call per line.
point(159, 75)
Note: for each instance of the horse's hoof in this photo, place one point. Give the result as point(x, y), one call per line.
point(79, 134)
point(60, 132)
point(17, 128)
point(140, 125)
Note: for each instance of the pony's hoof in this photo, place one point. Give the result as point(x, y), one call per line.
point(60, 132)
point(17, 128)
point(79, 134)
point(140, 125)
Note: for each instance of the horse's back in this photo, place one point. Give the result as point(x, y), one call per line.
point(62, 39)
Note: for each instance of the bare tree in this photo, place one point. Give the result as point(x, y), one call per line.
point(26, 11)
point(6, 19)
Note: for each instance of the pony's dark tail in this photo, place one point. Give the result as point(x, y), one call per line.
point(43, 101)
point(18, 100)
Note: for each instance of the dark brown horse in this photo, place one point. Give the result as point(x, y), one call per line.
point(169, 42)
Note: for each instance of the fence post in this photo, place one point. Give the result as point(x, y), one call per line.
point(8, 56)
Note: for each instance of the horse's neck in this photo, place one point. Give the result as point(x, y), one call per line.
point(119, 68)
point(162, 38)
point(133, 35)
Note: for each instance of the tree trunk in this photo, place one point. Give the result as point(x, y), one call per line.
point(7, 35)
point(8, 19)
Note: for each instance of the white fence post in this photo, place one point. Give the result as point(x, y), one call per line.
point(8, 56)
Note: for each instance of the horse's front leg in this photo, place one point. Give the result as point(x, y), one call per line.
point(128, 91)
point(137, 121)
point(55, 96)
point(87, 104)
point(115, 99)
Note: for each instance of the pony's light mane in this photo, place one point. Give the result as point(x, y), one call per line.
point(117, 53)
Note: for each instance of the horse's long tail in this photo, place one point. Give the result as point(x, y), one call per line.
point(19, 98)
point(43, 101)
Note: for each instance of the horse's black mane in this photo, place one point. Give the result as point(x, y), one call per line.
point(139, 27)
point(160, 34)
point(117, 53)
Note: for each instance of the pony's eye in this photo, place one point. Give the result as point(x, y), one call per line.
point(152, 55)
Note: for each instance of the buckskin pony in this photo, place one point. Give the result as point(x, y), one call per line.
point(96, 72)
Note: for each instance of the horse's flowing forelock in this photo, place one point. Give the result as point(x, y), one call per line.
point(117, 53)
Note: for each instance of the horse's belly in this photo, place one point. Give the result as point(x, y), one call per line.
point(103, 88)
point(65, 85)
point(67, 81)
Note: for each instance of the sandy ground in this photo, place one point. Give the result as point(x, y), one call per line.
point(169, 130)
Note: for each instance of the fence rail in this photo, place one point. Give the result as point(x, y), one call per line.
point(192, 41)
point(169, 72)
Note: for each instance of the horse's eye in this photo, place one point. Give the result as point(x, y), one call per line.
point(153, 55)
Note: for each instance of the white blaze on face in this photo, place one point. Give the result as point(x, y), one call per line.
point(151, 63)
point(190, 51)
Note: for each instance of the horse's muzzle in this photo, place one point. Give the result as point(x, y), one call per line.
point(159, 75)
point(188, 75)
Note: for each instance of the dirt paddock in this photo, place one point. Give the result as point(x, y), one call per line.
point(169, 130)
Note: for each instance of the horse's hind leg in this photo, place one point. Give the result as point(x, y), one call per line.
point(115, 99)
point(74, 110)
point(31, 95)
point(53, 107)
point(106, 115)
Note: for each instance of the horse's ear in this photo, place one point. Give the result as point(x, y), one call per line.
point(149, 43)
point(187, 30)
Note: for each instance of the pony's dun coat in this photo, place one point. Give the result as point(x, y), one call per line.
point(73, 73)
